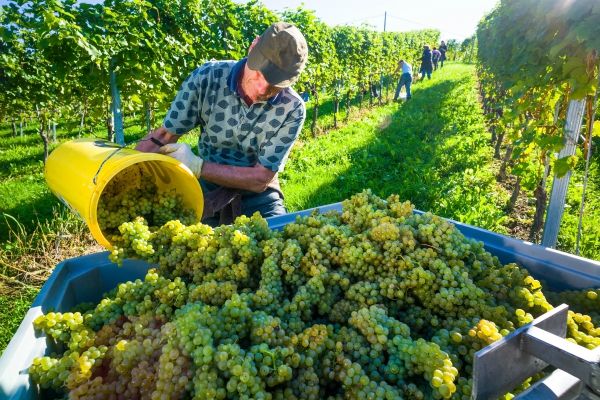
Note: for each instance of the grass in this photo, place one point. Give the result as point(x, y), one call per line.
point(431, 150)
point(12, 311)
point(27, 259)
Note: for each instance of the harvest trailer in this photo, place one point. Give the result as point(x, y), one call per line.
point(498, 368)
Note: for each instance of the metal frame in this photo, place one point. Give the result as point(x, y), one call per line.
point(501, 366)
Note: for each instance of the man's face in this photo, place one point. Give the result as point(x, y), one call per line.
point(258, 88)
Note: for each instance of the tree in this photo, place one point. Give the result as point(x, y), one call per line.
point(48, 46)
point(529, 76)
point(322, 58)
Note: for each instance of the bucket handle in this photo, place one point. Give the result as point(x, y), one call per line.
point(119, 148)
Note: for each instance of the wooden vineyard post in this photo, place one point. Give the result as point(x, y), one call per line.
point(559, 186)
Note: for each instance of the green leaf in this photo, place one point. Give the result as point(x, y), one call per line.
point(564, 165)
point(136, 99)
point(596, 129)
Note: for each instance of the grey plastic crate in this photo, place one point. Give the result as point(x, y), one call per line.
point(74, 281)
point(87, 278)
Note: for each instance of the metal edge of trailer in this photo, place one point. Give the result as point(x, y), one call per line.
point(568, 270)
point(491, 378)
point(77, 280)
point(558, 385)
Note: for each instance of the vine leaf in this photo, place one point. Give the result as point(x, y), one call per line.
point(564, 165)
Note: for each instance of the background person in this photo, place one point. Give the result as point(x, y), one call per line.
point(405, 79)
point(435, 57)
point(426, 62)
point(249, 117)
point(443, 50)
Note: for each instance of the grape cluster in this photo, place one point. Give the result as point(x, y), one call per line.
point(375, 302)
point(132, 200)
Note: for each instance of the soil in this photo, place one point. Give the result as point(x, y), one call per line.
point(521, 217)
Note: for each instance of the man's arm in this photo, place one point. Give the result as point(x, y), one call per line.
point(161, 137)
point(182, 116)
point(255, 179)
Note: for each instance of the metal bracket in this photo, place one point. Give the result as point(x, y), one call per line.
point(576, 360)
point(501, 366)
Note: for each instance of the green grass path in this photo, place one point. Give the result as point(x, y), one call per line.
point(12, 311)
point(431, 150)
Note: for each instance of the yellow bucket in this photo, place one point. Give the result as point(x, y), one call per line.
point(78, 171)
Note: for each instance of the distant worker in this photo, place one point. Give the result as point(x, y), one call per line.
point(435, 57)
point(374, 90)
point(426, 62)
point(405, 79)
point(249, 118)
point(443, 50)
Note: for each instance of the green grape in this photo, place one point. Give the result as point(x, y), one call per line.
point(375, 302)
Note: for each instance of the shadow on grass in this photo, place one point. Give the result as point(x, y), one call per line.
point(31, 159)
point(411, 156)
point(28, 139)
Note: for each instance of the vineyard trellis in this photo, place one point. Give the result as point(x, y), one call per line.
point(530, 78)
point(57, 56)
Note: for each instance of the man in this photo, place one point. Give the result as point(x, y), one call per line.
point(250, 117)
point(405, 79)
point(435, 57)
point(443, 50)
point(426, 62)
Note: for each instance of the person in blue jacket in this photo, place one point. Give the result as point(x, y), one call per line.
point(443, 50)
point(426, 62)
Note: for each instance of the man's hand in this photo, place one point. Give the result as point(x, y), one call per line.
point(183, 153)
point(160, 135)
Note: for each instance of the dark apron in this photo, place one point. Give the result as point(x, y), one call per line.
point(223, 205)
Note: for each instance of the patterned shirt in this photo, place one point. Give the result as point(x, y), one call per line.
point(234, 133)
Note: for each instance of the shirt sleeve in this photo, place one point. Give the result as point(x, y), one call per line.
point(275, 150)
point(183, 115)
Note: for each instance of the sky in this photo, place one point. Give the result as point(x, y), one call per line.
point(455, 19)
